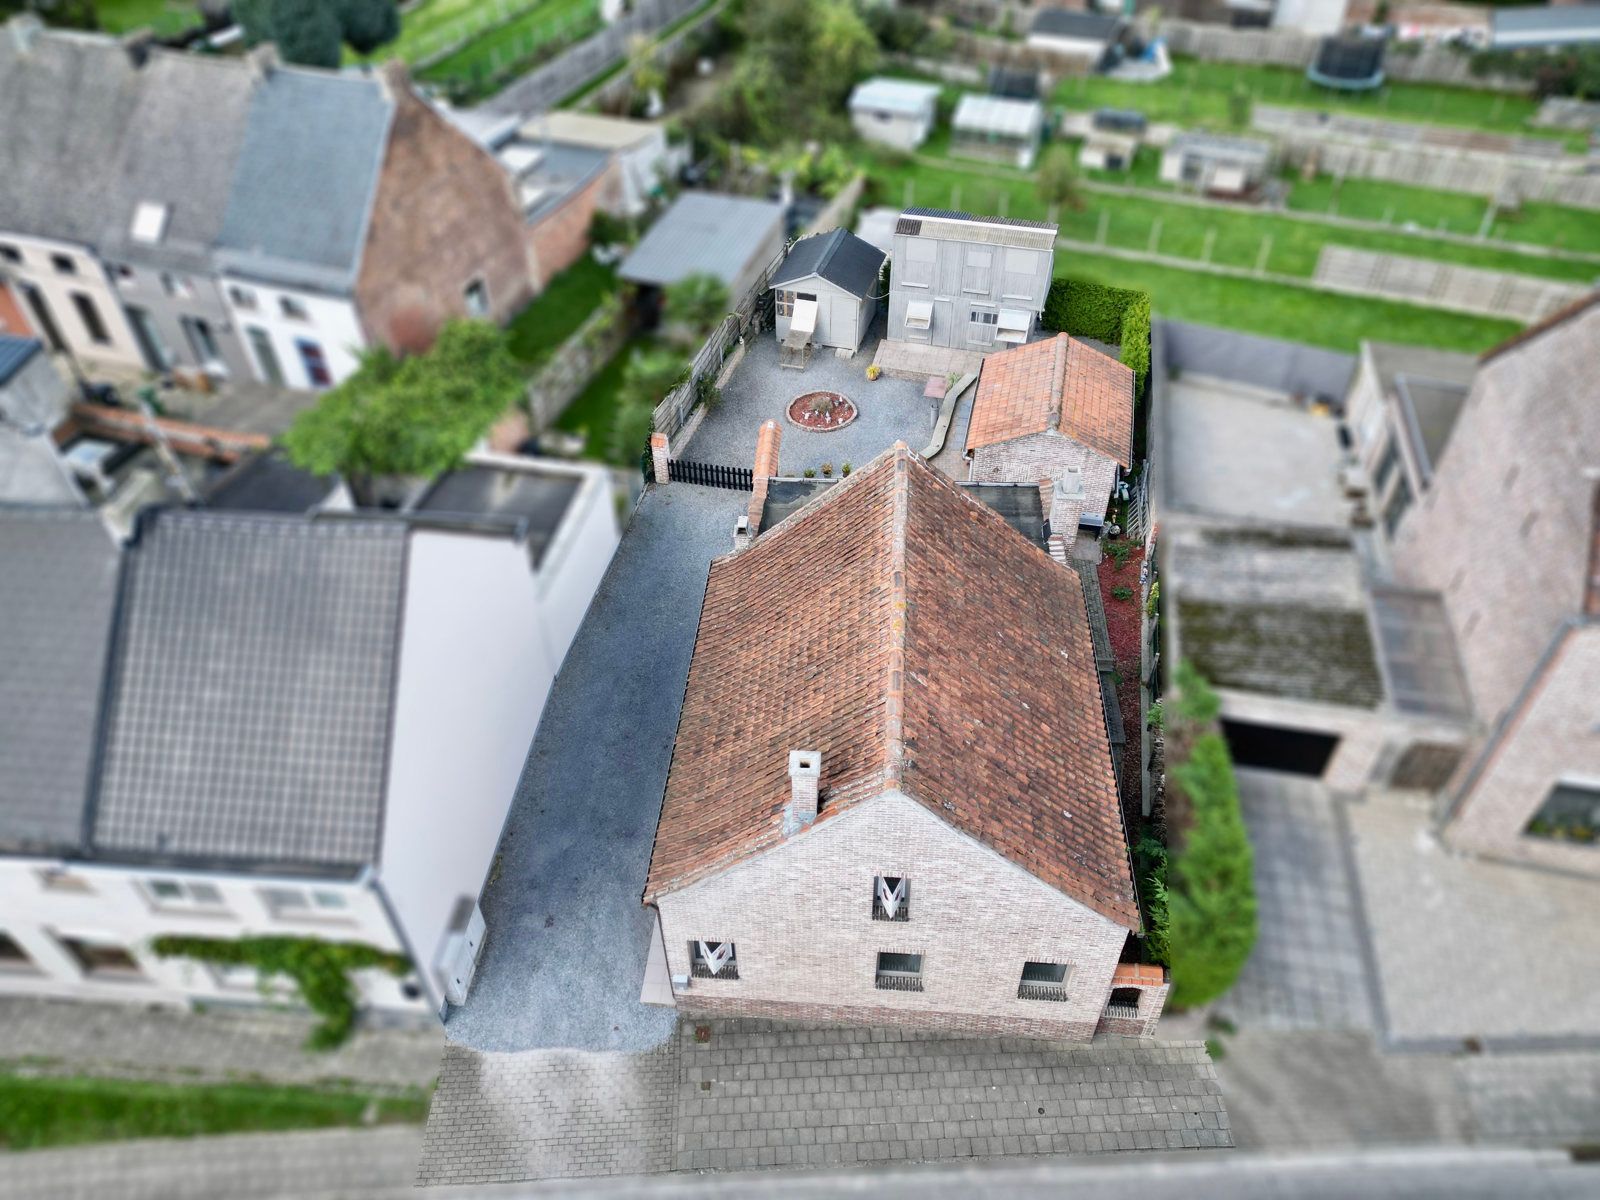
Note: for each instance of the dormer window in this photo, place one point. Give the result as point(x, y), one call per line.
point(891, 898)
point(713, 960)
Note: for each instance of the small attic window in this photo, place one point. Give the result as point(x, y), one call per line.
point(149, 222)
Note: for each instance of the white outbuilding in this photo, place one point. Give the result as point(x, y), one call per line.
point(997, 129)
point(826, 293)
point(896, 112)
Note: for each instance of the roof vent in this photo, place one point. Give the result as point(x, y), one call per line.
point(741, 532)
point(805, 778)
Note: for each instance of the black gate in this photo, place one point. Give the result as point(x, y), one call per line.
point(738, 479)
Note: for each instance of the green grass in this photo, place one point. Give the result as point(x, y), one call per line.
point(166, 17)
point(594, 411)
point(1288, 312)
point(1196, 94)
point(520, 40)
point(1237, 235)
point(37, 1112)
point(558, 311)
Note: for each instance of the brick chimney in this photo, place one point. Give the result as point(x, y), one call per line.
point(766, 466)
point(805, 778)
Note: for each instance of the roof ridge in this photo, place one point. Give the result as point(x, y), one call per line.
point(894, 693)
point(1058, 383)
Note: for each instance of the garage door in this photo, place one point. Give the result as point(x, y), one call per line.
point(1276, 748)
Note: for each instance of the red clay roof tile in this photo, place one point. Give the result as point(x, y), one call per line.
point(1061, 384)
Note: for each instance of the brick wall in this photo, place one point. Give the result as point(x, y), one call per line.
point(1504, 531)
point(561, 237)
point(1049, 456)
point(1552, 738)
point(444, 216)
point(800, 916)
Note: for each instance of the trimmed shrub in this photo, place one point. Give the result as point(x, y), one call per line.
point(1119, 316)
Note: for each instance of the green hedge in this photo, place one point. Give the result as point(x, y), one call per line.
point(1119, 316)
point(1210, 889)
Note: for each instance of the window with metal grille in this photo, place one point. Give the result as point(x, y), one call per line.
point(1124, 1003)
point(891, 898)
point(899, 972)
point(713, 960)
point(1043, 981)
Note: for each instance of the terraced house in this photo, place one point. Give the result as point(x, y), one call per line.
point(891, 797)
point(237, 218)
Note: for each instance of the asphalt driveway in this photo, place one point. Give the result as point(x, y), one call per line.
point(564, 958)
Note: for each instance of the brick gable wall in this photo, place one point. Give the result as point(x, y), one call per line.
point(800, 916)
point(1048, 456)
point(561, 238)
point(444, 215)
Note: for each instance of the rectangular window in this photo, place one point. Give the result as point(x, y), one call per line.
point(90, 316)
point(917, 270)
point(891, 898)
point(12, 956)
point(10, 253)
point(315, 363)
point(64, 264)
point(785, 304)
point(182, 894)
point(476, 296)
point(1043, 981)
point(59, 881)
point(1124, 1003)
point(1387, 462)
point(899, 972)
point(243, 298)
point(1020, 274)
point(286, 902)
point(1399, 501)
point(981, 327)
point(101, 960)
point(294, 309)
point(713, 960)
point(1570, 813)
point(977, 271)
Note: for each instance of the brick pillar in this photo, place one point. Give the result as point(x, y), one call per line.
point(658, 456)
point(766, 466)
point(1152, 985)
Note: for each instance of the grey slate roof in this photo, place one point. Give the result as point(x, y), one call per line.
point(58, 585)
point(307, 173)
point(1545, 25)
point(249, 709)
point(532, 502)
point(1072, 23)
point(838, 256)
point(702, 232)
point(15, 353)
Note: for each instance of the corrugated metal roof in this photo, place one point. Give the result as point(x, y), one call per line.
point(998, 114)
point(903, 96)
point(703, 232)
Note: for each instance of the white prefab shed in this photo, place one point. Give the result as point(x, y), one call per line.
point(896, 112)
point(826, 292)
point(997, 129)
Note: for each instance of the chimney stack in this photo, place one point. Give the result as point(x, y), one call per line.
point(766, 466)
point(805, 778)
point(741, 532)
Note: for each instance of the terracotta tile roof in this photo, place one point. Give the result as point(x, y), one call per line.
point(1060, 384)
point(909, 635)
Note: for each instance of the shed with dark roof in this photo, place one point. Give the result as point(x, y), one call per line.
point(828, 288)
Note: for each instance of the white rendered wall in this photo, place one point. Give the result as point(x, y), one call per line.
point(332, 323)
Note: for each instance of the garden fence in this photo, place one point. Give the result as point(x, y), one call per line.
point(737, 479)
point(1443, 285)
point(569, 370)
point(752, 313)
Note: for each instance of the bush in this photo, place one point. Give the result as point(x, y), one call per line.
point(1150, 874)
point(1122, 592)
point(1120, 316)
point(1210, 892)
point(1195, 704)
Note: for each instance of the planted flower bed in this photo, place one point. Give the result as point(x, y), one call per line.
point(822, 412)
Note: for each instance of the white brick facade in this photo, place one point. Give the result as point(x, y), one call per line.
point(801, 917)
point(1050, 455)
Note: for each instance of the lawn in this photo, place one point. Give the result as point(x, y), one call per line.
point(37, 1112)
point(166, 17)
point(1197, 94)
point(523, 40)
point(594, 411)
point(1237, 237)
point(559, 310)
point(1285, 311)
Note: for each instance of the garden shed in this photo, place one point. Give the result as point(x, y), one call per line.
point(730, 237)
point(997, 129)
point(826, 292)
point(895, 112)
point(1218, 165)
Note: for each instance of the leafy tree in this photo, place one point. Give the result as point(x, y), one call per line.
point(646, 380)
point(412, 416)
point(1239, 105)
point(1058, 179)
point(368, 24)
point(699, 301)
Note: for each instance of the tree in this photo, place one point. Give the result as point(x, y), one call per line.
point(368, 24)
point(311, 32)
point(1239, 106)
point(1058, 179)
point(646, 380)
point(699, 301)
point(412, 416)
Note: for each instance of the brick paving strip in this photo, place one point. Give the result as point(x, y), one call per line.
point(759, 1094)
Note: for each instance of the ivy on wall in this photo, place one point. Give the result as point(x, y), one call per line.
point(320, 969)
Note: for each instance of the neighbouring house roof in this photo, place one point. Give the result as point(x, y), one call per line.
point(309, 162)
point(901, 629)
point(998, 115)
point(838, 256)
point(1018, 83)
point(531, 501)
point(546, 175)
point(1059, 384)
point(16, 353)
point(590, 129)
point(1430, 387)
point(1072, 23)
point(703, 232)
point(950, 225)
point(252, 679)
point(268, 483)
point(904, 97)
point(1547, 25)
point(57, 591)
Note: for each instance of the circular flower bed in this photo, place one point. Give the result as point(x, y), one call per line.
point(822, 412)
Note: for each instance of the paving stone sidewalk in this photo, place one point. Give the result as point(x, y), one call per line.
point(757, 1094)
point(74, 1037)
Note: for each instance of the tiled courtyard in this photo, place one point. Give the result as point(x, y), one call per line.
point(757, 1095)
point(891, 410)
